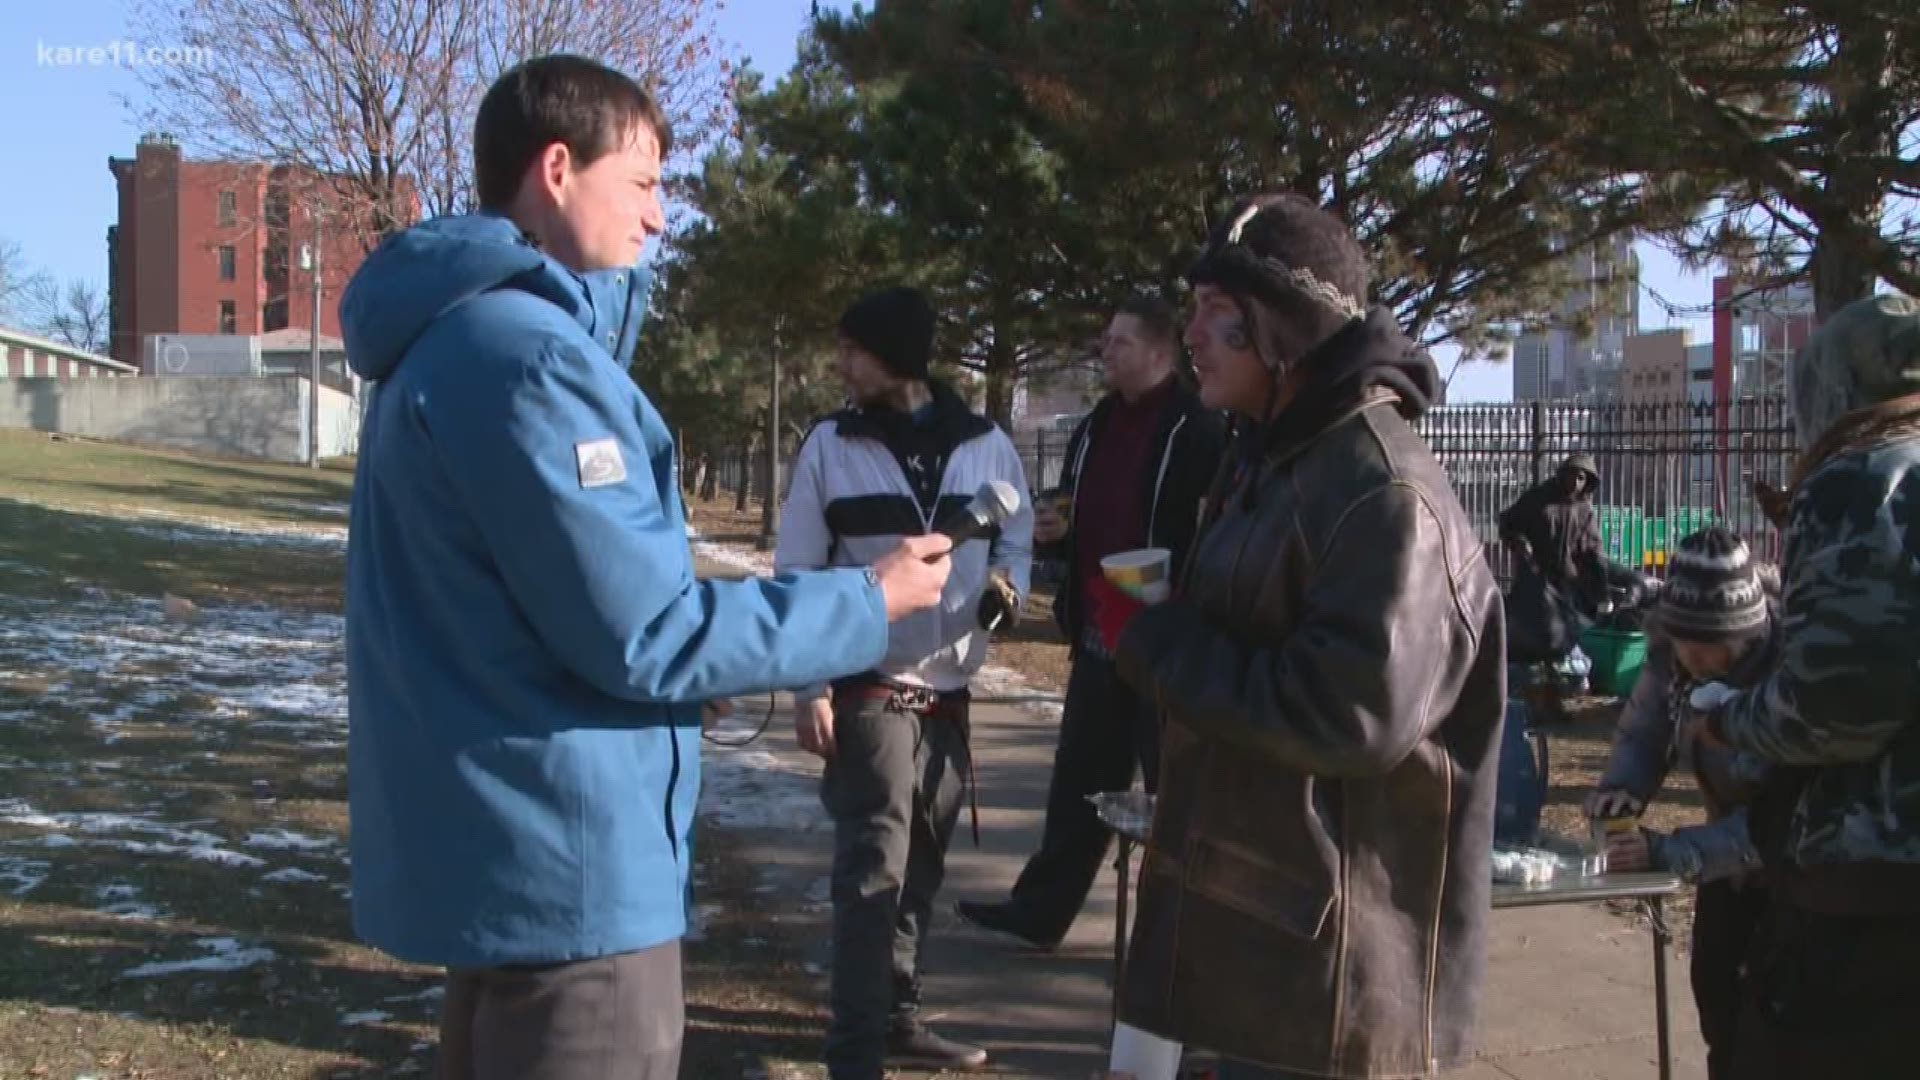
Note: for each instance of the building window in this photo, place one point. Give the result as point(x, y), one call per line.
point(229, 323)
point(226, 262)
point(229, 209)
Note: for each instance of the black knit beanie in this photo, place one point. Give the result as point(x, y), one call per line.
point(1281, 250)
point(1714, 590)
point(896, 326)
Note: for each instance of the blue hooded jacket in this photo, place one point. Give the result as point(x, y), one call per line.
point(527, 646)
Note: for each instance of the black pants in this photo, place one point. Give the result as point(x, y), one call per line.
point(1832, 997)
point(1726, 923)
point(1106, 731)
point(614, 1018)
point(894, 789)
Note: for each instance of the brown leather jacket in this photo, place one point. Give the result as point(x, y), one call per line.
point(1316, 888)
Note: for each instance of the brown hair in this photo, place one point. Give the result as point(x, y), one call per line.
point(1159, 323)
point(583, 103)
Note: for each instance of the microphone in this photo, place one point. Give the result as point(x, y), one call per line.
point(995, 502)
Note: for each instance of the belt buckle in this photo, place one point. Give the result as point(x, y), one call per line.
point(911, 699)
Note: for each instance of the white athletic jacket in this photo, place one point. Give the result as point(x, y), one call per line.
point(865, 480)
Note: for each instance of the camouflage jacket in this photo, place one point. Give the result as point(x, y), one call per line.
point(1845, 696)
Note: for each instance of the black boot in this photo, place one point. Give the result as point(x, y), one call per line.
point(1002, 918)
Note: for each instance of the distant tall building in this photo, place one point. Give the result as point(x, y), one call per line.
point(1581, 354)
point(215, 247)
point(1655, 372)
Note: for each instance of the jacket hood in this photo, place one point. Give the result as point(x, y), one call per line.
point(1867, 353)
point(1367, 354)
point(1585, 463)
point(417, 275)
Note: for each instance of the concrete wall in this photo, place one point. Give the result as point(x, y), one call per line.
point(261, 418)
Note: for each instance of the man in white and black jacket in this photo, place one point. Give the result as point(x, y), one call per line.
point(1138, 468)
point(902, 461)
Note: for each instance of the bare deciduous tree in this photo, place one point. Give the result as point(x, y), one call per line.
point(73, 314)
point(381, 93)
point(17, 281)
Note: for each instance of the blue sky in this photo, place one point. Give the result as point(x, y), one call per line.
point(63, 122)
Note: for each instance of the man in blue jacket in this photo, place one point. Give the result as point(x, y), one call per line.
point(528, 649)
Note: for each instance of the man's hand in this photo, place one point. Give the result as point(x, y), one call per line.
point(813, 726)
point(909, 581)
point(717, 709)
point(998, 603)
point(1048, 526)
point(1613, 803)
point(1627, 851)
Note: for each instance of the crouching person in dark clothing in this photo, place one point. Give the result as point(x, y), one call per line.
point(1714, 621)
point(903, 460)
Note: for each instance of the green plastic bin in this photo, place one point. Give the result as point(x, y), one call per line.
point(1618, 656)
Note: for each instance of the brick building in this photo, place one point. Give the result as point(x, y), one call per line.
point(214, 247)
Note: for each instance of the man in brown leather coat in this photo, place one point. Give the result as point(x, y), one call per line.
point(1331, 670)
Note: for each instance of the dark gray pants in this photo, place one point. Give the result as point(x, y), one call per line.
point(615, 1018)
point(893, 789)
point(1106, 732)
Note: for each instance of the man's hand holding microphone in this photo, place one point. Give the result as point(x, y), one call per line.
point(913, 578)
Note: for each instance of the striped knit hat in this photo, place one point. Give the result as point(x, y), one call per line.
point(1713, 591)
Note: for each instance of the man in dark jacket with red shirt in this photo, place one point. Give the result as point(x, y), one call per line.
point(1136, 470)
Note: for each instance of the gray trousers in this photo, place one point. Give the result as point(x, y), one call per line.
point(615, 1018)
point(894, 789)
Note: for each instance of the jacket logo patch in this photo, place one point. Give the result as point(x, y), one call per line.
point(600, 463)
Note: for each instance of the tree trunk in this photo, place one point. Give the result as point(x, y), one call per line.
point(1841, 275)
point(1003, 373)
point(746, 480)
point(709, 479)
point(1856, 187)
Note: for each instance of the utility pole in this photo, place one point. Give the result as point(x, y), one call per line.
point(311, 263)
point(770, 509)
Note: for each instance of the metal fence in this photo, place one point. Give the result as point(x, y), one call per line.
point(1666, 469)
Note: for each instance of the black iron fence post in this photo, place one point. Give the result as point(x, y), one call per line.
point(1538, 420)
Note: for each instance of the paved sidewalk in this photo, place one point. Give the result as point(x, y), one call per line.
point(1569, 995)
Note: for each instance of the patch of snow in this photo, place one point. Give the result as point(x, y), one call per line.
point(133, 910)
point(431, 993)
point(282, 839)
point(750, 788)
point(227, 954)
point(52, 840)
point(372, 1016)
point(22, 876)
point(291, 874)
point(323, 509)
point(123, 662)
point(744, 559)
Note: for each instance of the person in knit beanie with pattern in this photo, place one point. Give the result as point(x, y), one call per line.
point(1714, 620)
